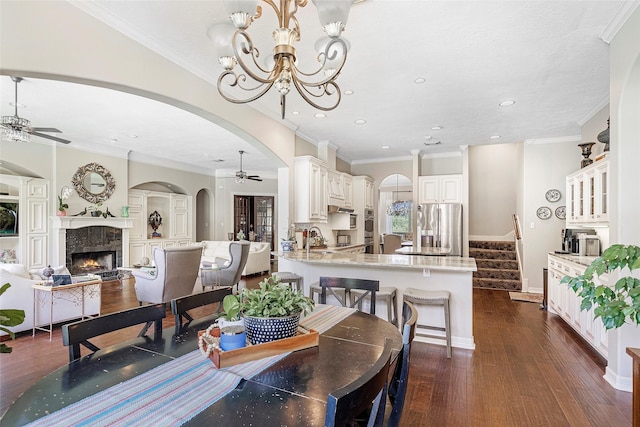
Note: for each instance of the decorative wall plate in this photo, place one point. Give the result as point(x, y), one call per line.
point(561, 212)
point(553, 195)
point(543, 212)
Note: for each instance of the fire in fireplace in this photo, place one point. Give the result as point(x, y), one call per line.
point(92, 262)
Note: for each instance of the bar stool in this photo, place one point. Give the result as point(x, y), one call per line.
point(315, 288)
point(288, 277)
point(387, 294)
point(440, 298)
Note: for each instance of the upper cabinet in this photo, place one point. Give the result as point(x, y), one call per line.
point(311, 183)
point(347, 181)
point(440, 189)
point(588, 195)
point(363, 193)
point(336, 188)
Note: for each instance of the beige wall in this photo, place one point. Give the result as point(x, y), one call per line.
point(442, 165)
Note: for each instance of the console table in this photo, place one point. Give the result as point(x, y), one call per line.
point(44, 293)
point(635, 355)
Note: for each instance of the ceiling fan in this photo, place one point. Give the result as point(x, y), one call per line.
point(241, 175)
point(16, 128)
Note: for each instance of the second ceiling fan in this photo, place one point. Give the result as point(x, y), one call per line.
point(241, 175)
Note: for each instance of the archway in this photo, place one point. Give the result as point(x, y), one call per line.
point(396, 190)
point(203, 215)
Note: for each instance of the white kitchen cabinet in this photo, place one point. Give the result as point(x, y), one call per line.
point(440, 189)
point(311, 181)
point(566, 303)
point(588, 195)
point(347, 181)
point(363, 193)
point(180, 217)
point(335, 188)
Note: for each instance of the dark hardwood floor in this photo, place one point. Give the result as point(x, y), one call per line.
point(528, 369)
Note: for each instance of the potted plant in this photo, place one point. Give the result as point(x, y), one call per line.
point(288, 245)
point(271, 311)
point(9, 317)
point(65, 193)
point(613, 304)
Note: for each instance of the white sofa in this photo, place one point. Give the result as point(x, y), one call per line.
point(259, 260)
point(20, 296)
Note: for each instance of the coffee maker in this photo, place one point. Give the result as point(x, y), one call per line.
point(571, 240)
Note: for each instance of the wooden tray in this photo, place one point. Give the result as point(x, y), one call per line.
point(222, 359)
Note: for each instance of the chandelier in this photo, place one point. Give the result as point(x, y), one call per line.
point(254, 78)
point(13, 127)
point(399, 207)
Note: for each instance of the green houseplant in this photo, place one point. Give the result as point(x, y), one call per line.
point(272, 302)
point(613, 304)
point(9, 317)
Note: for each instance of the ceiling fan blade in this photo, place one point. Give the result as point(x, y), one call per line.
point(53, 138)
point(254, 178)
point(54, 130)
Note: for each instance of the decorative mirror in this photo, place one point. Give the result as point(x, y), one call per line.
point(93, 183)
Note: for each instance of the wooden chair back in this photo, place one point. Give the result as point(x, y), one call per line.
point(76, 333)
point(398, 383)
point(181, 306)
point(369, 286)
point(366, 393)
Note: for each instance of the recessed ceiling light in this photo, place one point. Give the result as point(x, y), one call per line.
point(420, 80)
point(112, 139)
point(494, 137)
point(132, 135)
point(437, 128)
point(348, 92)
point(295, 113)
point(360, 121)
point(507, 103)
point(428, 137)
point(319, 115)
point(433, 143)
point(385, 147)
point(217, 160)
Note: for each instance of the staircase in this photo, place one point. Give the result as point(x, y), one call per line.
point(497, 265)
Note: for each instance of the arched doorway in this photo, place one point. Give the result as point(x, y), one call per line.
point(395, 207)
point(203, 216)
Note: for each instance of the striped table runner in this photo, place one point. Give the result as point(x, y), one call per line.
point(152, 398)
point(324, 317)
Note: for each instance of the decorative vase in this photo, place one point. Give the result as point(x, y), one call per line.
point(125, 212)
point(96, 213)
point(287, 245)
point(47, 272)
point(603, 137)
point(61, 213)
point(586, 152)
point(223, 323)
point(267, 329)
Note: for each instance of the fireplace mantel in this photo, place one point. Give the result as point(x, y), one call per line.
point(65, 222)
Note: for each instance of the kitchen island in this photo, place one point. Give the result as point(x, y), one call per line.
point(453, 274)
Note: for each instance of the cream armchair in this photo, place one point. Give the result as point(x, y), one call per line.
point(175, 275)
point(230, 274)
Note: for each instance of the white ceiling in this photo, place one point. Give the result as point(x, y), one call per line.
point(548, 56)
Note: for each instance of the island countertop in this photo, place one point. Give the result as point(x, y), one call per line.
point(443, 263)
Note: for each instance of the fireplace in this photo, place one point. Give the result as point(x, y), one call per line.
point(93, 262)
point(95, 250)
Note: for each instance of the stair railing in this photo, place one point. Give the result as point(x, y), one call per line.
point(518, 237)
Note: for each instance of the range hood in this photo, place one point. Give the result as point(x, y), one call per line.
point(338, 209)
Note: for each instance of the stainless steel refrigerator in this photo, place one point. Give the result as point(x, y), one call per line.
point(443, 226)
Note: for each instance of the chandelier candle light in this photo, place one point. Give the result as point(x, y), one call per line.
point(235, 47)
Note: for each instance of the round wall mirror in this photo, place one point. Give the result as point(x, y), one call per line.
point(93, 183)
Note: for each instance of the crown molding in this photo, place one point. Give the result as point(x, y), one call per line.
point(555, 140)
point(442, 155)
point(623, 13)
point(171, 164)
point(385, 160)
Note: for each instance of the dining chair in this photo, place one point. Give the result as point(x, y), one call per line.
point(366, 395)
point(181, 306)
point(230, 274)
point(76, 333)
point(174, 276)
point(400, 377)
point(391, 242)
point(347, 284)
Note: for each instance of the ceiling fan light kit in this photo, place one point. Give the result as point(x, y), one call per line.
point(281, 70)
point(18, 129)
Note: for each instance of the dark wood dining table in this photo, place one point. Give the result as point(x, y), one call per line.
point(293, 391)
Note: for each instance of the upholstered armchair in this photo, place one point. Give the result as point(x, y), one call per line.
point(175, 275)
point(229, 275)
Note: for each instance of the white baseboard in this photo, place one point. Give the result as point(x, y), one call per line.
point(457, 342)
point(618, 382)
point(535, 290)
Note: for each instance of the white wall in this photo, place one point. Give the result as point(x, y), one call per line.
point(493, 177)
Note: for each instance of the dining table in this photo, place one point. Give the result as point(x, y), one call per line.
point(170, 382)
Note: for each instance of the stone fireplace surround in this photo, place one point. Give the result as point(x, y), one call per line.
point(84, 234)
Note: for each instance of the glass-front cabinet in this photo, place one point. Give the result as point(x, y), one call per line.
point(588, 195)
